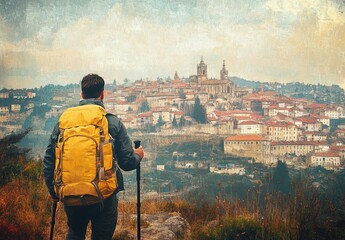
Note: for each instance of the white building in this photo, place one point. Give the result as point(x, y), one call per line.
point(227, 169)
point(335, 113)
point(251, 127)
point(4, 109)
point(15, 107)
point(328, 159)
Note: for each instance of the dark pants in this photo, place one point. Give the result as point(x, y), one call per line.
point(103, 220)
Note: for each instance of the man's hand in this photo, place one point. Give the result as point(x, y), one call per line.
point(139, 151)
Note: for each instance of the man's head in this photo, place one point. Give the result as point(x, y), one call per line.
point(92, 86)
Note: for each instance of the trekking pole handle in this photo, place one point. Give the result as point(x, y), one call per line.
point(137, 143)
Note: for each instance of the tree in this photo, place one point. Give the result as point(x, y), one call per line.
point(199, 112)
point(181, 94)
point(50, 123)
point(144, 107)
point(27, 123)
point(160, 121)
point(114, 85)
point(131, 98)
point(41, 110)
point(281, 179)
point(182, 122)
point(174, 122)
point(10, 153)
point(187, 108)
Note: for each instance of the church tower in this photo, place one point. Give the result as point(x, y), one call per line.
point(202, 71)
point(176, 76)
point(223, 72)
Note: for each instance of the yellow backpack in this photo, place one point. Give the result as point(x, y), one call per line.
point(84, 168)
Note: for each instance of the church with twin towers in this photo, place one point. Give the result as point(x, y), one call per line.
point(214, 87)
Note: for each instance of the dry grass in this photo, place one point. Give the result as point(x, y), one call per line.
point(25, 212)
point(23, 209)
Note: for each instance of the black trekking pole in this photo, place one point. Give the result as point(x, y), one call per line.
point(52, 223)
point(137, 145)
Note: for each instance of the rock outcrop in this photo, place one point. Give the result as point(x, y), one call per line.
point(159, 226)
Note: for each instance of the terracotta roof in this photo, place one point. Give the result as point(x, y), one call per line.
point(145, 114)
point(140, 100)
point(127, 120)
point(291, 143)
point(250, 122)
point(281, 115)
point(319, 143)
point(279, 108)
point(326, 154)
point(334, 109)
point(109, 100)
point(281, 124)
point(337, 148)
point(257, 116)
point(178, 112)
point(301, 100)
point(107, 92)
point(316, 133)
point(246, 138)
point(162, 94)
point(315, 105)
point(242, 118)
point(121, 102)
point(319, 116)
point(308, 120)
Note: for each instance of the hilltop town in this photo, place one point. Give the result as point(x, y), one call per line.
point(301, 124)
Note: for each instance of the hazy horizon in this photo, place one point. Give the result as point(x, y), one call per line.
point(45, 42)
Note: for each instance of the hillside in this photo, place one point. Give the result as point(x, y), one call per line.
point(266, 211)
point(316, 92)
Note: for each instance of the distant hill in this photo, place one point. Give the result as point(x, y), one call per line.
point(245, 83)
point(317, 92)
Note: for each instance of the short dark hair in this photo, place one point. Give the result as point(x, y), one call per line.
point(92, 86)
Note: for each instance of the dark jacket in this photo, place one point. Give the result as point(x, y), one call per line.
point(126, 158)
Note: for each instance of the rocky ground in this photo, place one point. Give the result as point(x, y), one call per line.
point(159, 226)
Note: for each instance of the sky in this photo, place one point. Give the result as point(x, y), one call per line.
point(59, 42)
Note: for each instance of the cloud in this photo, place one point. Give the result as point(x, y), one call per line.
point(269, 41)
point(313, 46)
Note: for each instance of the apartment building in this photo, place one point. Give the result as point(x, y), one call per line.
point(251, 127)
point(281, 131)
point(327, 160)
point(294, 147)
point(274, 110)
point(254, 146)
point(309, 124)
point(144, 119)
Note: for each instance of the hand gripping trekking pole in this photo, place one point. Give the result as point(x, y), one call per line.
point(137, 145)
point(52, 223)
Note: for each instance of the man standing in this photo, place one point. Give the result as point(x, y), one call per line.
point(63, 184)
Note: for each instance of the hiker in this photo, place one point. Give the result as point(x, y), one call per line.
point(81, 163)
